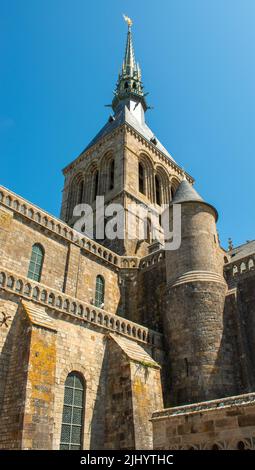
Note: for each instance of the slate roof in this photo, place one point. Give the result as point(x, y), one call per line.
point(186, 193)
point(122, 117)
point(242, 251)
point(38, 316)
point(134, 351)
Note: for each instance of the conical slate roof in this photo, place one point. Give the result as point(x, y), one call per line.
point(186, 193)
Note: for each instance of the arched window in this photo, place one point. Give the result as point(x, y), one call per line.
point(174, 186)
point(111, 174)
point(141, 179)
point(99, 294)
point(36, 262)
point(80, 192)
point(96, 179)
point(158, 190)
point(73, 413)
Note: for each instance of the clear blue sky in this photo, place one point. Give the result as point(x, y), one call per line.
point(59, 65)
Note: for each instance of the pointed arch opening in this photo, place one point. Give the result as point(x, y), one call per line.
point(76, 193)
point(174, 186)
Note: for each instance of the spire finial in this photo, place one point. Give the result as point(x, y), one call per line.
point(230, 244)
point(128, 20)
point(129, 85)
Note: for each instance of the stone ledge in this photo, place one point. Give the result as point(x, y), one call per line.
point(73, 308)
point(212, 405)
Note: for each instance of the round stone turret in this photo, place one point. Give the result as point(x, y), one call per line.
point(199, 363)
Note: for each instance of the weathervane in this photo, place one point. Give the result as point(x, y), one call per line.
point(128, 20)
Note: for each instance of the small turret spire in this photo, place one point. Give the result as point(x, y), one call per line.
point(129, 85)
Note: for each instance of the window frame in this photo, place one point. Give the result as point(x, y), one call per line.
point(99, 292)
point(34, 272)
point(70, 444)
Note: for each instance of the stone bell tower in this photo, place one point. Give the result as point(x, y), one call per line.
point(127, 164)
point(200, 361)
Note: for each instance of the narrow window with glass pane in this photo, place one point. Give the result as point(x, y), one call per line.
point(36, 263)
point(99, 297)
point(73, 412)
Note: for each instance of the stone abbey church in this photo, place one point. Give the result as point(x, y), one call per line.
point(122, 344)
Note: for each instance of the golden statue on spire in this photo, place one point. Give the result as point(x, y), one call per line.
point(128, 20)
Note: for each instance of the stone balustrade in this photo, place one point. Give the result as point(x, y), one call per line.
point(236, 268)
point(152, 258)
point(28, 210)
point(52, 224)
point(74, 308)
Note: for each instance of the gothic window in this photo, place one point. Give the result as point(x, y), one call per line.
point(111, 174)
point(80, 192)
point(158, 190)
point(73, 412)
point(36, 262)
point(141, 179)
point(96, 179)
point(174, 186)
point(99, 294)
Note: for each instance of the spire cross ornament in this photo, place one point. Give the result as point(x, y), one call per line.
point(128, 21)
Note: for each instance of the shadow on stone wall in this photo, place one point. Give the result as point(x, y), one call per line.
point(14, 358)
point(97, 436)
point(230, 354)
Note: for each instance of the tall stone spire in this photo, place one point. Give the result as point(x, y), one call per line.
point(129, 85)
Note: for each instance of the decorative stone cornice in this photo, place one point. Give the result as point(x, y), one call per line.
point(157, 152)
point(92, 149)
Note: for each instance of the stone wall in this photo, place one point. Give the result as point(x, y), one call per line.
point(14, 357)
point(215, 425)
point(66, 266)
point(40, 347)
point(133, 391)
